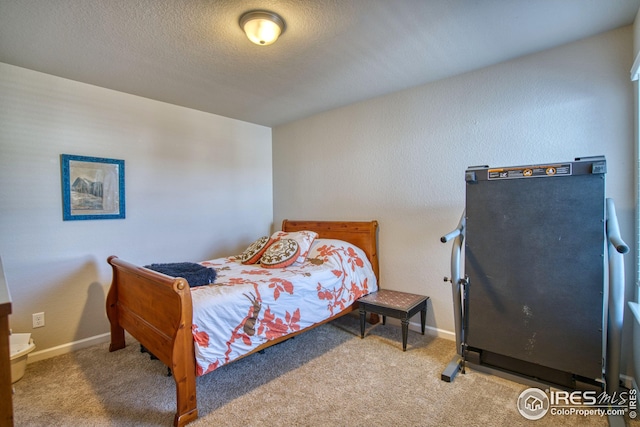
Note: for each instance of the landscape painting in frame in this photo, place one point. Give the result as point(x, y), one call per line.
point(92, 188)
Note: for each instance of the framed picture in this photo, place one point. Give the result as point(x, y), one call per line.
point(92, 188)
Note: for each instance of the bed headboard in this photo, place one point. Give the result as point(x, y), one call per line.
point(363, 234)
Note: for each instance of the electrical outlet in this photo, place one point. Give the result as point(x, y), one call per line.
point(38, 320)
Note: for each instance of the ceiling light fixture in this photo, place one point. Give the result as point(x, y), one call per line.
point(262, 27)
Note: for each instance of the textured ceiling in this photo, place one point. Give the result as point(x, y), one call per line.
point(333, 52)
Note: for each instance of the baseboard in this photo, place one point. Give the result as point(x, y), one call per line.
point(436, 332)
point(103, 338)
point(440, 333)
point(68, 348)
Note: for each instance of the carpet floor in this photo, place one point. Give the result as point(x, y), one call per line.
point(325, 377)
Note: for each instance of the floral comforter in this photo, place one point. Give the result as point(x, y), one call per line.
point(249, 305)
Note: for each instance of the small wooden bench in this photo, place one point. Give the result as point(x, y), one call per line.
point(399, 305)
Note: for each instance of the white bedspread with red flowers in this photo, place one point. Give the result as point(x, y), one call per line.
point(249, 305)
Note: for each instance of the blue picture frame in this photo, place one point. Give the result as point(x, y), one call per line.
point(92, 188)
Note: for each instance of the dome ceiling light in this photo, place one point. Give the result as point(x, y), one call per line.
point(262, 27)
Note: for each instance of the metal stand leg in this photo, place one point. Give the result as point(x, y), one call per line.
point(457, 363)
point(452, 369)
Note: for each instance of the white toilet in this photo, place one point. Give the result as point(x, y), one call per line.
point(20, 345)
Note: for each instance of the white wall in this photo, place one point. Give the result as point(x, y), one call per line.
point(401, 158)
point(198, 186)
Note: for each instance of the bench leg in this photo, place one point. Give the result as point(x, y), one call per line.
point(363, 315)
point(405, 332)
point(423, 318)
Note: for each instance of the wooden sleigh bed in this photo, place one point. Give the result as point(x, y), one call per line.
point(157, 309)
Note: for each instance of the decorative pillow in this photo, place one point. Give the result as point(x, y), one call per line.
point(304, 238)
point(280, 254)
point(252, 254)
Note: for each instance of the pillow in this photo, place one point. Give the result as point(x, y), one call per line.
point(280, 254)
point(303, 238)
point(252, 254)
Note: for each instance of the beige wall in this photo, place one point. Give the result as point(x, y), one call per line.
point(401, 158)
point(198, 186)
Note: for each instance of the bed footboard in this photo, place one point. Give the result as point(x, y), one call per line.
point(157, 311)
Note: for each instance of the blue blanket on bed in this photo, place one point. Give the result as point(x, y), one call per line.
point(195, 274)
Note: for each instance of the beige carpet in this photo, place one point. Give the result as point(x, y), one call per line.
point(325, 377)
